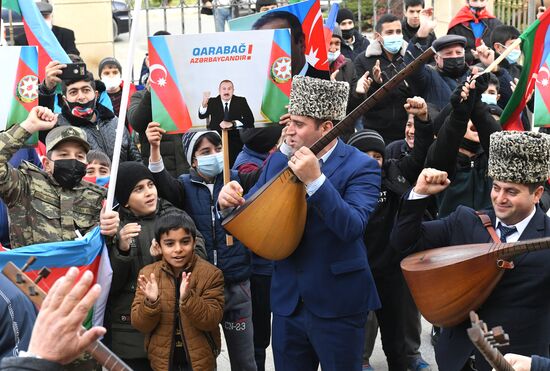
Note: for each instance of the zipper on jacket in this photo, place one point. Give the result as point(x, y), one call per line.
point(212, 221)
point(177, 308)
point(101, 137)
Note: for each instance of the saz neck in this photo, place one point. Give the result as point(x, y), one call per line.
point(371, 101)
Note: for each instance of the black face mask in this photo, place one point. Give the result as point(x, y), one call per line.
point(347, 34)
point(68, 173)
point(82, 110)
point(454, 67)
point(477, 9)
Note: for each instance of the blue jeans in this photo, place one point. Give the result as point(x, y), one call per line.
point(221, 15)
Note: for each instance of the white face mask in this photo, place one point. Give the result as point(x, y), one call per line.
point(111, 83)
point(333, 56)
point(489, 99)
point(49, 23)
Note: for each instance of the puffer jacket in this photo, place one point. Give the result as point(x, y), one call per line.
point(102, 133)
point(126, 341)
point(190, 193)
point(200, 310)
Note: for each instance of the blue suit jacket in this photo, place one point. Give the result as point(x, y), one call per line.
point(520, 302)
point(329, 270)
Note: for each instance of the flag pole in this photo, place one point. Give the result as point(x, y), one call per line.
point(123, 105)
point(501, 57)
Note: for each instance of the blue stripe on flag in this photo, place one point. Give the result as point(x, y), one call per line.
point(29, 55)
point(64, 254)
point(281, 38)
point(42, 32)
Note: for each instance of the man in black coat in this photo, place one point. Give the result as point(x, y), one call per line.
point(519, 166)
point(227, 111)
point(354, 43)
point(65, 36)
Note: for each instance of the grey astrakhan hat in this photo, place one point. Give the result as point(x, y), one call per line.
point(519, 156)
point(317, 98)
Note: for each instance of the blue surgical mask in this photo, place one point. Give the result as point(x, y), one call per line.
point(489, 99)
point(333, 56)
point(210, 165)
point(513, 57)
point(393, 43)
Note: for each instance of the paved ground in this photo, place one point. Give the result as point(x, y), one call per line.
point(378, 359)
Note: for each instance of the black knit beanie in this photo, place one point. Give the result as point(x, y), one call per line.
point(261, 140)
point(368, 140)
point(109, 61)
point(130, 173)
point(344, 14)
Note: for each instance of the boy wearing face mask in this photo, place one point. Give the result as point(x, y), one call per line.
point(53, 204)
point(501, 38)
point(110, 73)
point(80, 108)
point(197, 194)
point(383, 59)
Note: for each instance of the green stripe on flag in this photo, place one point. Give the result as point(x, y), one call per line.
point(274, 102)
point(12, 5)
point(160, 114)
point(541, 114)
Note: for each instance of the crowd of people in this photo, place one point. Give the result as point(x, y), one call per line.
point(425, 167)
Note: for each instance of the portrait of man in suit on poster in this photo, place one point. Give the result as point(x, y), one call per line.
point(227, 111)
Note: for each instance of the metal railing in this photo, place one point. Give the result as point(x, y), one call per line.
point(517, 13)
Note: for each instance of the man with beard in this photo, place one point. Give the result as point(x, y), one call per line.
point(54, 204)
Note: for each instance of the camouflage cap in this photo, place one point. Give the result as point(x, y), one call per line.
point(66, 133)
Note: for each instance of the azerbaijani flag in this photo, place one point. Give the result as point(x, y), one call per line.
point(38, 33)
point(169, 108)
point(535, 47)
point(20, 78)
point(279, 80)
point(310, 16)
point(88, 253)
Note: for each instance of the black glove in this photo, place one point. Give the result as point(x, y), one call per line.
point(463, 108)
point(482, 84)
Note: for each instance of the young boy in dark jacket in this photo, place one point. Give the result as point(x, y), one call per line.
point(139, 209)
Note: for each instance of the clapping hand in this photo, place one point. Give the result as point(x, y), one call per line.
point(185, 278)
point(149, 287)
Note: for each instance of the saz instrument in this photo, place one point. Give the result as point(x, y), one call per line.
point(487, 343)
point(30, 288)
point(449, 282)
point(271, 222)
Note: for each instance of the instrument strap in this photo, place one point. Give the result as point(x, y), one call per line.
point(487, 224)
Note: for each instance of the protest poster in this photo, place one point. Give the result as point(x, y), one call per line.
point(308, 14)
point(185, 69)
point(18, 84)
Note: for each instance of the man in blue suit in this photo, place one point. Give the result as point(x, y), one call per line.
point(520, 303)
point(320, 295)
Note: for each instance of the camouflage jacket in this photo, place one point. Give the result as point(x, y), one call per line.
point(39, 209)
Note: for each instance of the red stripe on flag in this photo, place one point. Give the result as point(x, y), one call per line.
point(277, 52)
point(56, 273)
point(24, 70)
point(514, 123)
point(43, 56)
point(170, 96)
